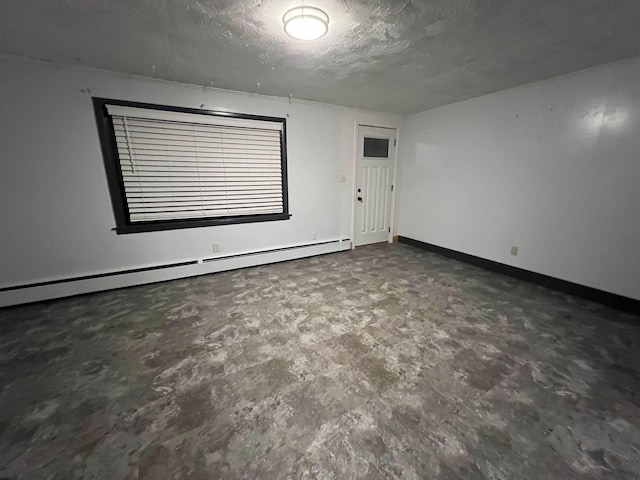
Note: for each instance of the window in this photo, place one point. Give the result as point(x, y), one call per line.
point(173, 167)
point(376, 147)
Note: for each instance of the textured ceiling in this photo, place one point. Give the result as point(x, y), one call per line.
point(395, 56)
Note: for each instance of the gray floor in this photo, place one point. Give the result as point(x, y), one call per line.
point(383, 362)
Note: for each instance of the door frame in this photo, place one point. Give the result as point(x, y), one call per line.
point(394, 178)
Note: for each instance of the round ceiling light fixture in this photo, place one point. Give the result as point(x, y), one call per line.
point(306, 23)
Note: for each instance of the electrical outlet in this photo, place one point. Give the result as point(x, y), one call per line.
point(343, 178)
point(313, 235)
point(514, 251)
point(216, 247)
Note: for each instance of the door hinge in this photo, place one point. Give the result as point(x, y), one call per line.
point(395, 142)
point(389, 229)
point(392, 188)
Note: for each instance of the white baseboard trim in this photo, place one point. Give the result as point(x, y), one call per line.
point(48, 290)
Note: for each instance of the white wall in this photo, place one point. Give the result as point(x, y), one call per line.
point(552, 167)
point(55, 210)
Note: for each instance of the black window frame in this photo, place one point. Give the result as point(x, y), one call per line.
point(106, 133)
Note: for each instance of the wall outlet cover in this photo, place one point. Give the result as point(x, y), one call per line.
point(514, 251)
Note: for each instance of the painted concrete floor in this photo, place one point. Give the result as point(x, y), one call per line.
point(384, 362)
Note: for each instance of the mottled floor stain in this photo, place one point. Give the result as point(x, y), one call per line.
point(380, 363)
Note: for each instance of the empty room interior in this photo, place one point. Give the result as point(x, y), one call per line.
point(324, 239)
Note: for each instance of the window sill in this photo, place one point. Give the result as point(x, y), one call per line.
point(155, 226)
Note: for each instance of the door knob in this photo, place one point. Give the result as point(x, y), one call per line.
point(359, 199)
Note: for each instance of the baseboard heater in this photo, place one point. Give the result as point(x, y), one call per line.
point(65, 287)
point(609, 299)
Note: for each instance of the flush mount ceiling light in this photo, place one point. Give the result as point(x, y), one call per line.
point(306, 23)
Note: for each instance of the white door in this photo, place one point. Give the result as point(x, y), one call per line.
point(373, 187)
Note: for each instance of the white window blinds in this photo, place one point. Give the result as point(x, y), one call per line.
point(188, 166)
